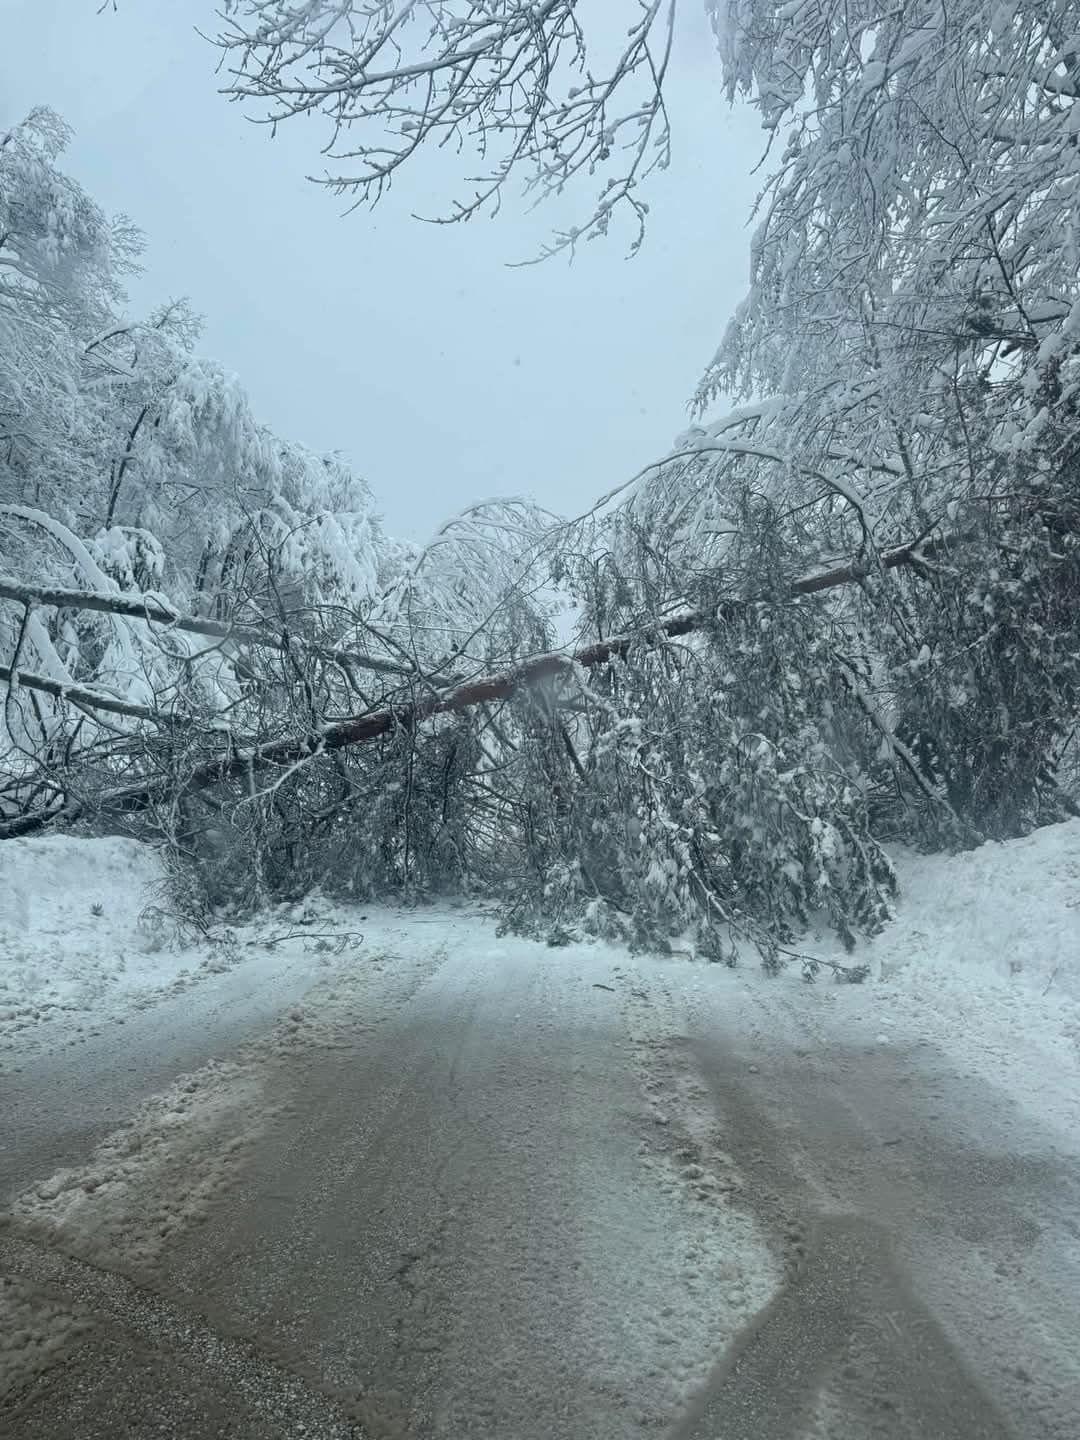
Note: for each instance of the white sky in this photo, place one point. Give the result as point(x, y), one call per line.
point(443, 375)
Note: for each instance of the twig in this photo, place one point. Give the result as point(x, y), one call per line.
point(339, 935)
point(852, 974)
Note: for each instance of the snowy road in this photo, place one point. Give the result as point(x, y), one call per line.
point(63, 1098)
point(492, 1189)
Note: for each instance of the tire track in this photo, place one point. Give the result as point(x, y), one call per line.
point(847, 1317)
point(864, 1196)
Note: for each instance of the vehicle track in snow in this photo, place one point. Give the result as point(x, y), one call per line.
point(932, 1284)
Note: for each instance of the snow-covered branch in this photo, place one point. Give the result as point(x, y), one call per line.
point(85, 698)
point(513, 85)
point(156, 610)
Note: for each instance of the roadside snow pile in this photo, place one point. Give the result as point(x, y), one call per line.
point(87, 942)
point(1001, 919)
point(982, 962)
point(51, 886)
point(1004, 917)
point(1010, 911)
point(78, 927)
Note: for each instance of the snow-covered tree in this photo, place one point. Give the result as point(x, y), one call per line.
point(843, 608)
point(62, 263)
point(189, 604)
point(134, 478)
point(904, 369)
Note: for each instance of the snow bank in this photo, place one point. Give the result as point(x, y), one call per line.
point(69, 919)
point(982, 962)
point(51, 886)
point(82, 933)
point(1009, 911)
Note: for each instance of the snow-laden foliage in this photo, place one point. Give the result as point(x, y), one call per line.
point(915, 268)
point(61, 265)
point(902, 408)
point(712, 781)
point(688, 803)
point(904, 368)
point(184, 595)
point(479, 590)
point(129, 466)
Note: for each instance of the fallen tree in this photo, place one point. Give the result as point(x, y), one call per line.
point(240, 759)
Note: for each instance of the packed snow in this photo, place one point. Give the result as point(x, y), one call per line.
point(157, 1172)
point(34, 1330)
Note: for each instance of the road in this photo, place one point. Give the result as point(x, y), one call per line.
point(499, 1190)
point(63, 1097)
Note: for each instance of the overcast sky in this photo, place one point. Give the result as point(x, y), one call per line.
point(443, 375)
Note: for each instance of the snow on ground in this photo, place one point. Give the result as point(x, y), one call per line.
point(981, 967)
point(157, 1172)
point(1007, 912)
point(171, 1147)
point(34, 1330)
point(983, 958)
point(83, 933)
point(87, 940)
point(983, 962)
